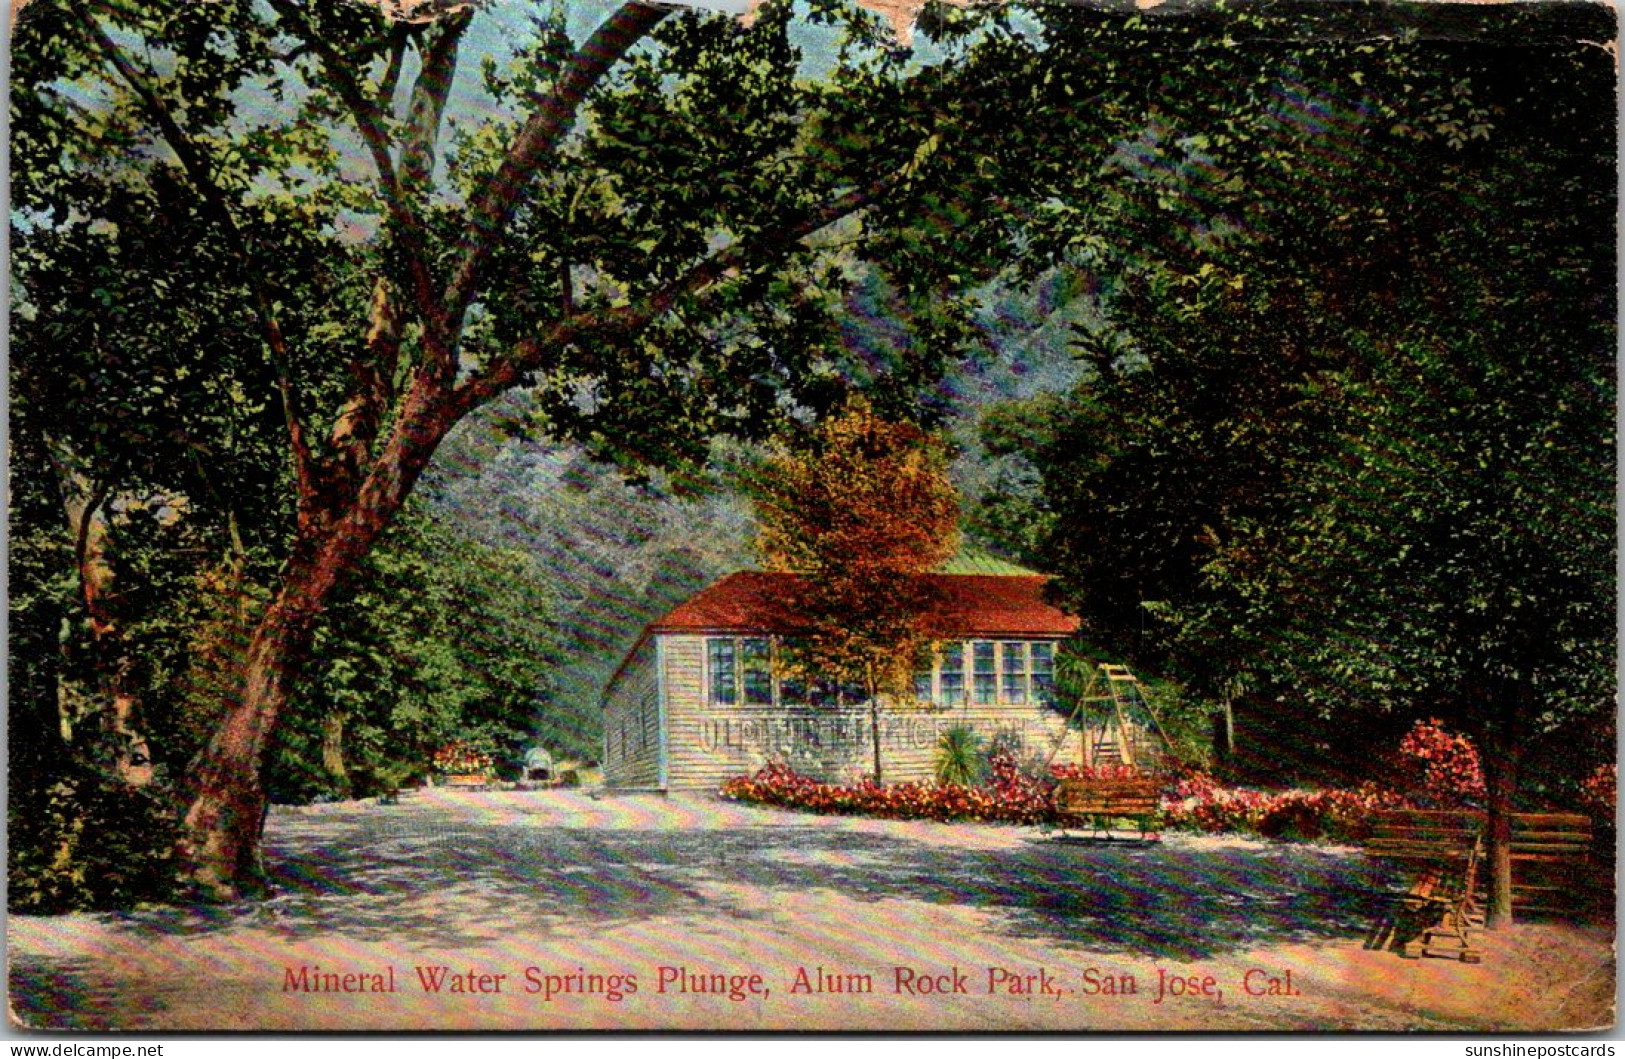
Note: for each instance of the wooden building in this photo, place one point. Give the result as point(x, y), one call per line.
point(701, 699)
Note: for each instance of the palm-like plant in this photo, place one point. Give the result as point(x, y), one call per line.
point(960, 757)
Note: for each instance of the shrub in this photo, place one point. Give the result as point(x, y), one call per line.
point(1026, 794)
point(960, 759)
point(779, 785)
point(1598, 793)
point(1439, 769)
point(89, 842)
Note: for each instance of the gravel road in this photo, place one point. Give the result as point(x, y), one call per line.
point(559, 910)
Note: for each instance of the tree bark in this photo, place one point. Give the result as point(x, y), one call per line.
point(333, 752)
point(1500, 754)
point(118, 699)
point(221, 830)
point(874, 729)
point(874, 722)
point(219, 848)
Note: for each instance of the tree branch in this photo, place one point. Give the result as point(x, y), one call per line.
point(197, 168)
point(770, 245)
point(385, 95)
point(368, 117)
point(505, 373)
point(428, 104)
point(189, 154)
point(493, 205)
point(424, 116)
point(304, 462)
point(356, 426)
point(372, 387)
point(567, 288)
point(369, 122)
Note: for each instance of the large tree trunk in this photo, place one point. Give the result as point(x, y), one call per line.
point(117, 698)
point(333, 752)
point(219, 847)
point(221, 830)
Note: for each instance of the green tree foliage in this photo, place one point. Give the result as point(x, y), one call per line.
point(138, 450)
point(655, 225)
point(637, 229)
point(85, 840)
point(1349, 439)
point(441, 639)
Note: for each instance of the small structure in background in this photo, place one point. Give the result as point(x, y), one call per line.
point(539, 770)
point(1119, 769)
point(1120, 727)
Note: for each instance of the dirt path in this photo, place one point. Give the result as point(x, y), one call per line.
point(638, 912)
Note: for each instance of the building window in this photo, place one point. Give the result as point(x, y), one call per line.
point(757, 658)
point(1044, 673)
point(722, 672)
point(746, 671)
point(1014, 668)
point(922, 683)
point(984, 672)
point(769, 673)
point(953, 673)
point(739, 671)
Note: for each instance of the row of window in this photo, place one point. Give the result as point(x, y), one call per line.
point(740, 670)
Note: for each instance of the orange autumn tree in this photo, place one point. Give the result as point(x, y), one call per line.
point(860, 508)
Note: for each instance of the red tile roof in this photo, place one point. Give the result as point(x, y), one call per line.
point(963, 605)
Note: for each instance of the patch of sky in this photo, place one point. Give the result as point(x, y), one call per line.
point(503, 28)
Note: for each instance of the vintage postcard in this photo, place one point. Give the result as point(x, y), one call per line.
point(572, 515)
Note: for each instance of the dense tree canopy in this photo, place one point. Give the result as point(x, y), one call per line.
point(1347, 443)
point(644, 227)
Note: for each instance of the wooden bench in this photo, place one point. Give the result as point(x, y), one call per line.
point(1098, 803)
point(1549, 856)
point(1440, 853)
point(1444, 853)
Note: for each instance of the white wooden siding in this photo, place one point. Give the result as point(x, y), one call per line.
point(707, 744)
point(632, 723)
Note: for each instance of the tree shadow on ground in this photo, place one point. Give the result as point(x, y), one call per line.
point(68, 994)
point(392, 876)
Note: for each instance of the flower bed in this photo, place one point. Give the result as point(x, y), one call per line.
point(779, 785)
point(1194, 802)
point(462, 764)
point(1198, 803)
point(1433, 769)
